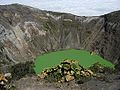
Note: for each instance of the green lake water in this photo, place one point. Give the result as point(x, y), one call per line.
point(54, 58)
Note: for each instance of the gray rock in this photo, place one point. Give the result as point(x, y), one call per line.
point(26, 32)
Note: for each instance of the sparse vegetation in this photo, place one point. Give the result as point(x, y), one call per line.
point(72, 70)
point(66, 71)
point(20, 70)
point(99, 68)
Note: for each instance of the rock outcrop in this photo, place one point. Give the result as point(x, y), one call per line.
point(26, 32)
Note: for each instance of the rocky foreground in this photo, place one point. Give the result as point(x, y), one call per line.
point(32, 83)
point(68, 75)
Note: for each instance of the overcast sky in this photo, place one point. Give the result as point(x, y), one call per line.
point(77, 7)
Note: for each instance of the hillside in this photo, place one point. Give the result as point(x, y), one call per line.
point(27, 32)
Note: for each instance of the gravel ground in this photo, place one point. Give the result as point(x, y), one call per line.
point(112, 82)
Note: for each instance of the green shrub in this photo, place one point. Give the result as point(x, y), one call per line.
point(21, 69)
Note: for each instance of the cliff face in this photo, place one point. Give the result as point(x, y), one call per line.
point(26, 32)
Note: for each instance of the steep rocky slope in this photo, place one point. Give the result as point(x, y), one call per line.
point(26, 32)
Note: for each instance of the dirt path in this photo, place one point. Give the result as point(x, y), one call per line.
point(31, 83)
